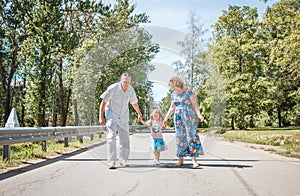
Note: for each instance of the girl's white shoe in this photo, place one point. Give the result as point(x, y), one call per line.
point(156, 162)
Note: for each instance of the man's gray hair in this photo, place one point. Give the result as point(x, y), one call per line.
point(125, 75)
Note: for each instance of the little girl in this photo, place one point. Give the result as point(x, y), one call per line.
point(157, 142)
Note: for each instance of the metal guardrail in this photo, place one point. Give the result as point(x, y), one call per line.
point(9, 136)
point(31, 134)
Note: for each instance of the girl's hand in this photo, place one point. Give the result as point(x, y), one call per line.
point(142, 121)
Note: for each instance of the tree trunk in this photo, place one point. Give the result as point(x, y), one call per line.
point(76, 112)
point(7, 84)
point(64, 103)
point(42, 99)
point(61, 93)
point(7, 102)
point(23, 93)
point(67, 105)
point(241, 124)
point(42, 93)
point(279, 117)
point(252, 122)
point(53, 115)
point(53, 111)
point(232, 122)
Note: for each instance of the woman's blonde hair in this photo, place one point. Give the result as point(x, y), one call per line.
point(176, 81)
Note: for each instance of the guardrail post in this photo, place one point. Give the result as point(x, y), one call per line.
point(81, 139)
point(44, 145)
point(12, 121)
point(92, 137)
point(6, 153)
point(66, 142)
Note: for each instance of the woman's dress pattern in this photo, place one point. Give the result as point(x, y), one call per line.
point(187, 140)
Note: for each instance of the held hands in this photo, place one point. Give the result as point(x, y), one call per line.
point(201, 118)
point(164, 124)
point(101, 120)
point(140, 119)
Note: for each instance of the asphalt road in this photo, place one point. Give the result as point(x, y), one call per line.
point(225, 169)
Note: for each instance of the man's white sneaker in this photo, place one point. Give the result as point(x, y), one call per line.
point(123, 164)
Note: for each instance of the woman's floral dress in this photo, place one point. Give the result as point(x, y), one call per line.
point(187, 140)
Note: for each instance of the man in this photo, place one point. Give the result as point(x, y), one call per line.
point(115, 102)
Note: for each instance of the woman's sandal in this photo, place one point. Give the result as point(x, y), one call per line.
point(195, 164)
point(180, 162)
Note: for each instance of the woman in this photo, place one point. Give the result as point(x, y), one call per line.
point(185, 109)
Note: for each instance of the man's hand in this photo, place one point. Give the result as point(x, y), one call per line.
point(101, 120)
point(140, 118)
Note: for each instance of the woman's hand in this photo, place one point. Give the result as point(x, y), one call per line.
point(164, 125)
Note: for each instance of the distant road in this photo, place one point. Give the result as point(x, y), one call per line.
point(226, 169)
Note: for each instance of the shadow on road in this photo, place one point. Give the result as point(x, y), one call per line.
point(47, 161)
point(169, 163)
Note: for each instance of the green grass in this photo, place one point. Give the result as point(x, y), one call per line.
point(287, 139)
point(24, 152)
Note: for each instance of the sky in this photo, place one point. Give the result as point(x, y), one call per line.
point(169, 25)
point(175, 13)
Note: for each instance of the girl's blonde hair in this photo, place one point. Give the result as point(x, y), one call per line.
point(156, 111)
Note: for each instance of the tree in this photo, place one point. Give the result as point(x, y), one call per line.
point(13, 34)
point(45, 44)
point(237, 55)
point(77, 15)
point(57, 29)
point(194, 69)
point(281, 36)
point(119, 46)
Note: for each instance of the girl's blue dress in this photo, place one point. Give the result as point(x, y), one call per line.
point(157, 142)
